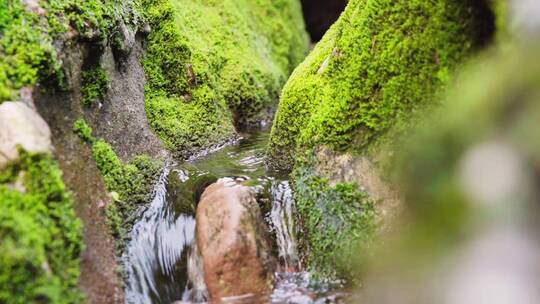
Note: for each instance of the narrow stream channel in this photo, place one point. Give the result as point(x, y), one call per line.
point(159, 260)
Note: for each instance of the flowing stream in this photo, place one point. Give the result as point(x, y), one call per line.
point(161, 258)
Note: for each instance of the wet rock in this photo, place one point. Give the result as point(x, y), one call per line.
point(124, 40)
point(361, 170)
point(232, 242)
point(21, 126)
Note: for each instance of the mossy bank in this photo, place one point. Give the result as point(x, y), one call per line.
point(209, 68)
point(213, 66)
point(380, 63)
point(41, 237)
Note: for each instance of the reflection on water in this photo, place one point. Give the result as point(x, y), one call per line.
point(161, 261)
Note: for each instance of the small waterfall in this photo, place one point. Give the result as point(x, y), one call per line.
point(282, 221)
point(198, 292)
point(157, 253)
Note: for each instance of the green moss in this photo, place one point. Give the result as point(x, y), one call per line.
point(378, 63)
point(40, 236)
point(27, 53)
point(89, 19)
point(212, 65)
point(338, 223)
point(94, 85)
point(130, 184)
point(83, 130)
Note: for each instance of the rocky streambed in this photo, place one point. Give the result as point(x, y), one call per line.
point(163, 262)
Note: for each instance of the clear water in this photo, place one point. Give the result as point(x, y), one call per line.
point(161, 261)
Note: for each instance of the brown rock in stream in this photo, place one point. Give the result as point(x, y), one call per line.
point(231, 235)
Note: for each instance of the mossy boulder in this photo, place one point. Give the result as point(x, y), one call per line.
point(212, 66)
point(31, 31)
point(378, 65)
point(130, 184)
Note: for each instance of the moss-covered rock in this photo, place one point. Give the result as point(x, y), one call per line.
point(94, 85)
point(378, 63)
point(29, 29)
point(130, 184)
point(214, 65)
point(41, 239)
point(381, 62)
point(338, 221)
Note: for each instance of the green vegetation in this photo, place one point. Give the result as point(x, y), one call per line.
point(83, 130)
point(26, 51)
point(40, 237)
point(27, 54)
point(91, 20)
point(337, 220)
point(489, 108)
point(381, 61)
point(212, 64)
point(94, 85)
point(130, 184)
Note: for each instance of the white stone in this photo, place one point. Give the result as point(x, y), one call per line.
point(21, 126)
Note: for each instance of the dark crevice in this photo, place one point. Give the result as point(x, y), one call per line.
point(92, 57)
point(484, 19)
point(319, 15)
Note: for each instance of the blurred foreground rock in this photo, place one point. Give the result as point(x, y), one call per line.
point(237, 262)
point(470, 178)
